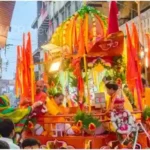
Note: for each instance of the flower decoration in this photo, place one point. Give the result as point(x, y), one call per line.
point(76, 130)
point(86, 121)
point(92, 127)
point(30, 125)
point(56, 145)
point(79, 124)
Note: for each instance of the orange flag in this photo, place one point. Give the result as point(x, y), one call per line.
point(132, 74)
point(29, 58)
point(30, 67)
point(81, 48)
point(24, 60)
point(148, 43)
point(136, 45)
point(18, 71)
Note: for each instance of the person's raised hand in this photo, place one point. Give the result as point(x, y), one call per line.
point(26, 101)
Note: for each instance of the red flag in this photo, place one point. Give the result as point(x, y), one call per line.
point(113, 18)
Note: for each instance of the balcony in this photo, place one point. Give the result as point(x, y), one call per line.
point(43, 21)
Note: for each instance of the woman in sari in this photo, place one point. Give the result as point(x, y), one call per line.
point(114, 91)
point(17, 115)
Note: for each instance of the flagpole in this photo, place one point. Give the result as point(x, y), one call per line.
point(87, 84)
point(86, 75)
point(142, 39)
point(32, 83)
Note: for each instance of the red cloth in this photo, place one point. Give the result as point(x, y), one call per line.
point(113, 18)
point(40, 97)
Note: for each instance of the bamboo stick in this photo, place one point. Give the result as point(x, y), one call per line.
point(87, 85)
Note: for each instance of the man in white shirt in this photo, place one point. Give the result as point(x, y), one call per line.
point(7, 132)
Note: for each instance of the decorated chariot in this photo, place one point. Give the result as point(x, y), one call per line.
point(84, 50)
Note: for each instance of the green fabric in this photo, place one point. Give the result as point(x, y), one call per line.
point(18, 116)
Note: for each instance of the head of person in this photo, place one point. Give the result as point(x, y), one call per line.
point(4, 145)
point(39, 86)
point(30, 143)
point(111, 88)
point(7, 128)
point(119, 104)
point(59, 97)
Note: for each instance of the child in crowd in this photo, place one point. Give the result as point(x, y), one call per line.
point(30, 144)
point(4, 145)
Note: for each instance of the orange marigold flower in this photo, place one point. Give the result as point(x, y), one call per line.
point(79, 124)
point(76, 129)
point(92, 127)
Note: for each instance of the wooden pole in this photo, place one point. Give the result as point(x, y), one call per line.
point(87, 85)
point(32, 83)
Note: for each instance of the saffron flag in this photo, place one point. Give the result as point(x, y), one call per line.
point(30, 67)
point(24, 71)
point(148, 43)
point(132, 73)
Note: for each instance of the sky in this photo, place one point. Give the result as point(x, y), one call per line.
point(23, 16)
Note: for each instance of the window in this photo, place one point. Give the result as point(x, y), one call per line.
point(62, 13)
point(68, 8)
point(77, 5)
point(57, 21)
